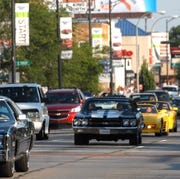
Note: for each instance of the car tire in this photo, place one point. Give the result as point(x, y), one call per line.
point(81, 139)
point(157, 134)
point(22, 164)
point(175, 128)
point(134, 140)
point(42, 135)
point(7, 169)
point(140, 138)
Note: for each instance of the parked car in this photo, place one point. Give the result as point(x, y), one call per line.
point(63, 104)
point(144, 96)
point(155, 121)
point(109, 119)
point(162, 95)
point(31, 100)
point(16, 138)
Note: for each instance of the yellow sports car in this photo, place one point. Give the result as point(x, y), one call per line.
point(171, 112)
point(154, 121)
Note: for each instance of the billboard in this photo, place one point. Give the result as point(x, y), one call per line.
point(102, 6)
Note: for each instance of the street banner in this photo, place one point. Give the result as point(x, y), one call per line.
point(66, 37)
point(97, 40)
point(22, 24)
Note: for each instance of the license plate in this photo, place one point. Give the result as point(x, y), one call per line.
point(104, 131)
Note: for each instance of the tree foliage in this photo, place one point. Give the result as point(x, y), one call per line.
point(174, 36)
point(146, 77)
point(82, 70)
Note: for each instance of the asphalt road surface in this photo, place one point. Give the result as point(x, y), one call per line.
point(59, 158)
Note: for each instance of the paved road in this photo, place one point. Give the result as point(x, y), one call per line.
point(59, 158)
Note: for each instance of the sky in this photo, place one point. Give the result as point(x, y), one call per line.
point(172, 7)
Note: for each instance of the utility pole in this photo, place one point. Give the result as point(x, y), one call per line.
point(13, 52)
point(58, 40)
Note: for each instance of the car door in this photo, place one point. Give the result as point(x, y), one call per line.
point(22, 129)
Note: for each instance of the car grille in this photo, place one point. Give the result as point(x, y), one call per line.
point(110, 122)
point(59, 114)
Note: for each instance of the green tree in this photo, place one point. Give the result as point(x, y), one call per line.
point(82, 70)
point(146, 77)
point(174, 36)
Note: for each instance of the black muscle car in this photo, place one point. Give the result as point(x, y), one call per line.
point(108, 118)
point(16, 138)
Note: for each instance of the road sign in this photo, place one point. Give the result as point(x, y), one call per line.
point(22, 62)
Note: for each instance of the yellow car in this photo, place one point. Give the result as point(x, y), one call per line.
point(154, 121)
point(171, 112)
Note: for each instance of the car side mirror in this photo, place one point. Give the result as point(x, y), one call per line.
point(22, 117)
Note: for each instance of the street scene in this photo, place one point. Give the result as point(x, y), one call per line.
point(89, 89)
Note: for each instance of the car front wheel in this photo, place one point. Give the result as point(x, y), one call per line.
point(81, 139)
point(7, 169)
point(22, 164)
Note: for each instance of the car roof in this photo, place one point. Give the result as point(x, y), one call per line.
point(156, 90)
point(124, 99)
point(144, 93)
point(19, 85)
point(59, 90)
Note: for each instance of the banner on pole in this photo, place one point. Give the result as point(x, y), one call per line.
point(22, 24)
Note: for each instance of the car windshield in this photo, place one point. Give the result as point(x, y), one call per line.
point(5, 112)
point(143, 97)
point(108, 105)
point(54, 98)
point(148, 109)
point(170, 88)
point(20, 94)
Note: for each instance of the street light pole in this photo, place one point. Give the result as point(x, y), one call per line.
point(13, 52)
point(89, 18)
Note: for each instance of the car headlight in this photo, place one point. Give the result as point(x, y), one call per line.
point(80, 122)
point(132, 122)
point(76, 122)
point(34, 116)
point(76, 109)
point(125, 122)
point(129, 122)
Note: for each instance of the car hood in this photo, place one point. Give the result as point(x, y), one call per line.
point(61, 106)
point(150, 116)
point(109, 114)
point(29, 105)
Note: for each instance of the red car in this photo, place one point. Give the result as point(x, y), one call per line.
point(63, 104)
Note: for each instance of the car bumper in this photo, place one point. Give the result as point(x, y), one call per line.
point(67, 120)
point(105, 130)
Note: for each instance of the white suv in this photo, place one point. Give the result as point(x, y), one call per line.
point(30, 98)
